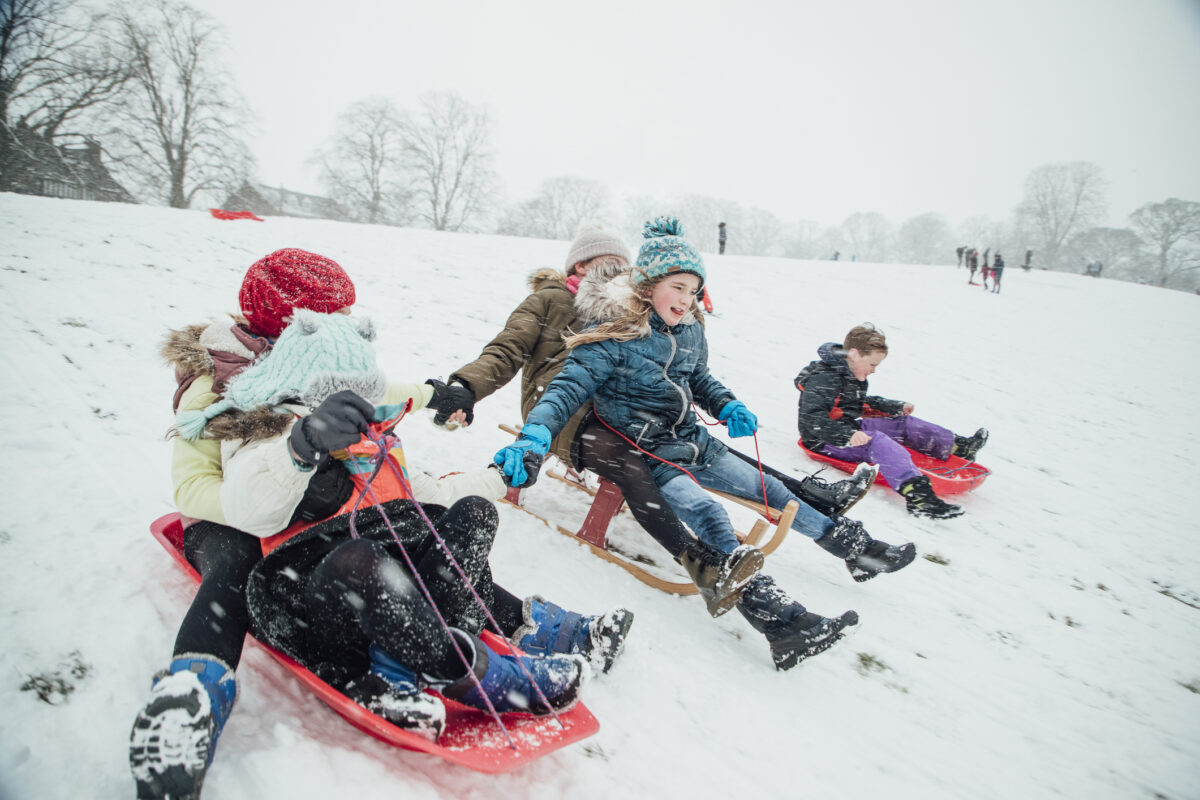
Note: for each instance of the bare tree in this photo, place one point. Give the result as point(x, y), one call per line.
point(807, 239)
point(760, 233)
point(1061, 200)
point(869, 235)
point(1173, 228)
point(1120, 250)
point(561, 205)
point(447, 146)
point(362, 166)
point(178, 131)
point(56, 62)
point(924, 239)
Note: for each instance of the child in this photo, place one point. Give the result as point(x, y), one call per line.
point(997, 272)
point(531, 343)
point(641, 369)
point(833, 404)
point(174, 737)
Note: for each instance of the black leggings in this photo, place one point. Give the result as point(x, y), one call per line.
point(217, 621)
point(614, 459)
point(362, 594)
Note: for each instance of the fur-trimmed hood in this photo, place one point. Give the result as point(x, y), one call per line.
point(546, 276)
point(606, 294)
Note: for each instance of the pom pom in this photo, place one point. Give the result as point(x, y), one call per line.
point(662, 226)
point(190, 424)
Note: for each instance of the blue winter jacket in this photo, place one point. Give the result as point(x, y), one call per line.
point(644, 388)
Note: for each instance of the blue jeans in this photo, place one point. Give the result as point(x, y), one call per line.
point(704, 514)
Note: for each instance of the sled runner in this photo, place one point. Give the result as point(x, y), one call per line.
point(955, 475)
point(471, 738)
point(607, 503)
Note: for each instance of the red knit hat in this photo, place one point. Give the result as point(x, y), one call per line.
point(288, 279)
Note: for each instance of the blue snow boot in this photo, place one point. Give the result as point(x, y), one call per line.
point(504, 683)
point(793, 632)
point(392, 691)
point(548, 629)
point(175, 736)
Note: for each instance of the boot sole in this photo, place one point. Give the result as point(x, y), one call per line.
point(622, 622)
point(861, 495)
point(735, 584)
point(910, 554)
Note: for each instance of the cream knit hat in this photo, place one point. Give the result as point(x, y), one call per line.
point(594, 240)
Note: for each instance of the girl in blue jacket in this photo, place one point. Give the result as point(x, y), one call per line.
point(643, 369)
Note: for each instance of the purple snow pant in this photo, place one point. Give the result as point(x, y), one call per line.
point(889, 437)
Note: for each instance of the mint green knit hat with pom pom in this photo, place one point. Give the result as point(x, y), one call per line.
point(315, 356)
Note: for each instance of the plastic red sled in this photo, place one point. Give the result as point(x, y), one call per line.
point(471, 738)
point(952, 476)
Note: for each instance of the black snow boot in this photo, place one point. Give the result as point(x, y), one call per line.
point(719, 577)
point(967, 447)
point(865, 557)
point(793, 632)
point(838, 497)
point(922, 502)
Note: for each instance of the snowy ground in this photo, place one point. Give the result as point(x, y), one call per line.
point(1046, 646)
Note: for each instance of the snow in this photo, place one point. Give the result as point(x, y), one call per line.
point(1048, 650)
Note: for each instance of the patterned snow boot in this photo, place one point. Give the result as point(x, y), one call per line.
point(838, 497)
point(175, 735)
point(392, 691)
point(793, 632)
point(966, 447)
point(719, 577)
point(865, 557)
point(922, 502)
point(503, 682)
point(549, 629)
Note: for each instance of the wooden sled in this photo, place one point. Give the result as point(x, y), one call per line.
point(607, 503)
point(955, 475)
point(471, 738)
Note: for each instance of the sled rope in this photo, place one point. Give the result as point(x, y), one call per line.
point(762, 480)
point(636, 446)
point(383, 445)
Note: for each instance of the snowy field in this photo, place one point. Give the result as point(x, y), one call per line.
point(1046, 646)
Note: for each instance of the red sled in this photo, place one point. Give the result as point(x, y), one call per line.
point(220, 213)
point(953, 476)
point(471, 738)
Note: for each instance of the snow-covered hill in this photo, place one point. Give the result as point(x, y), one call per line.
point(1048, 645)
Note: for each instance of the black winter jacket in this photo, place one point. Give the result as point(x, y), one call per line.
point(832, 400)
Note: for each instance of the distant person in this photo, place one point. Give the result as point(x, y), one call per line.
point(959, 252)
point(836, 255)
point(972, 264)
point(1028, 265)
point(997, 272)
point(986, 268)
point(721, 238)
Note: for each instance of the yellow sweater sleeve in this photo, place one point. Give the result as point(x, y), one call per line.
point(196, 465)
point(401, 393)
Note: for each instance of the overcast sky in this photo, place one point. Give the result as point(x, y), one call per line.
point(811, 110)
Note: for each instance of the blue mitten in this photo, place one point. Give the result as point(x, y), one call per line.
point(738, 419)
point(521, 460)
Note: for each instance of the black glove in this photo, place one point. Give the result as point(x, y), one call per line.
point(337, 423)
point(450, 398)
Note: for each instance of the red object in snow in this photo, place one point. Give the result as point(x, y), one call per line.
point(221, 213)
point(953, 476)
point(471, 738)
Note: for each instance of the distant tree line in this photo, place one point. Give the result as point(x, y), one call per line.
point(147, 77)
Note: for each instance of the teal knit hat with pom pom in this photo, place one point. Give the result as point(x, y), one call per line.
point(315, 356)
point(665, 252)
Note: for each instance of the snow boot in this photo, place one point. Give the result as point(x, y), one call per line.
point(175, 735)
point(793, 632)
point(922, 502)
point(966, 447)
point(392, 691)
point(865, 557)
point(549, 629)
point(838, 497)
point(719, 577)
point(504, 683)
